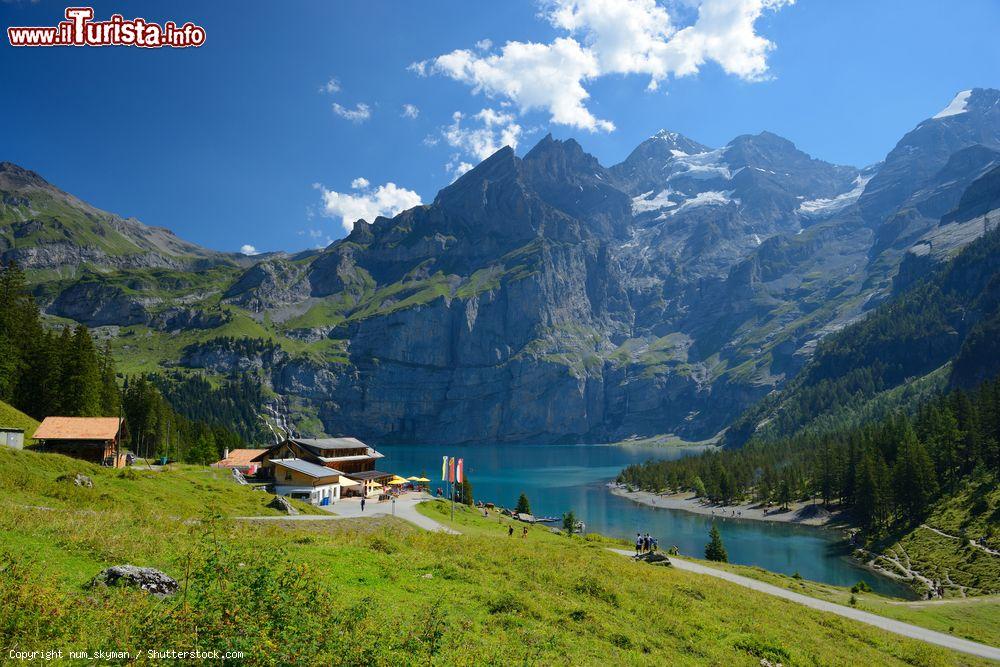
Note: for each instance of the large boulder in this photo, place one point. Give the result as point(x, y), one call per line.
point(147, 579)
point(281, 503)
point(79, 479)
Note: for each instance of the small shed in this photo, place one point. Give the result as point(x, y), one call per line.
point(93, 439)
point(11, 436)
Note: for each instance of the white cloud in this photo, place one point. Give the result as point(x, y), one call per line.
point(359, 114)
point(496, 129)
point(367, 204)
point(248, 249)
point(410, 111)
point(611, 37)
point(331, 86)
point(456, 167)
point(484, 44)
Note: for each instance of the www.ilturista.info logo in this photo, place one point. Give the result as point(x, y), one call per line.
point(79, 29)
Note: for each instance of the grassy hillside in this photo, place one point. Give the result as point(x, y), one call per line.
point(30, 479)
point(975, 618)
point(373, 592)
point(11, 416)
point(940, 548)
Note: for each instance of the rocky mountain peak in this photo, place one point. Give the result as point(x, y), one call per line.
point(644, 168)
point(975, 101)
point(15, 177)
point(971, 118)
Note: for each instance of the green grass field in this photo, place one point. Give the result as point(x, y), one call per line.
point(371, 592)
point(975, 618)
point(10, 416)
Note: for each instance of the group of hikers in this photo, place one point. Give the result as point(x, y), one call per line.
point(510, 531)
point(645, 544)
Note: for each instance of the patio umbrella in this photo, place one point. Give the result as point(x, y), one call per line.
point(397, 481)
point(414, 478)
point(421, 479)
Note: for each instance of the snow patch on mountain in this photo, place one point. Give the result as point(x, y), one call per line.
point(701, 166)
point(814, 207)
point(957, 105)
point(645, 202)
point(707, 198)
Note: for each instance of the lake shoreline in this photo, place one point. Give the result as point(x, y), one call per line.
point(804, 514)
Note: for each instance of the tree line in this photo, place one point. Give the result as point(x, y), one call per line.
point(46, 372)
point(886, 473)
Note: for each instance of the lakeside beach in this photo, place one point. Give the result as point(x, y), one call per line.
point(806, 514)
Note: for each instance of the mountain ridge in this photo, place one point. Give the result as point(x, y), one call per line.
point(547, 297)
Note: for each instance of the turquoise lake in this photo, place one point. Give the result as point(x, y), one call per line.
point(558, 478)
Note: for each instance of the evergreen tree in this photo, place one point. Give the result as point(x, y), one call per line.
point(110, 398)
point(715, 550)
point(913, 476)
point(465, 491)
point(523, 506)
point(81, 377)
point(569, 522)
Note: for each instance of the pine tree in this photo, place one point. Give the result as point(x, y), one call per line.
point(523, 506)
point(715, 550)
point(465, 491)
point(569, 522)
point(914, 478)
point(110, 399)
point(81, 378)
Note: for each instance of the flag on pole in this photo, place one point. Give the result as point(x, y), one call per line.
point(451, 470)
point(458, 474)
point(444, 469)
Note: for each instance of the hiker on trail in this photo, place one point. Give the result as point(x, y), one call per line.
point(638, 544)
point(524, 532)
point(653, 544)
point(646, 542)
point(362, 503)
point(510, 531)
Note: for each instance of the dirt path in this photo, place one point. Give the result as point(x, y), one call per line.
point(972, 543)
point(888, 624)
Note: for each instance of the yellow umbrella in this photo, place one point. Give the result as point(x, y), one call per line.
point(413, 478)
point(396, 481)
point(421, 479)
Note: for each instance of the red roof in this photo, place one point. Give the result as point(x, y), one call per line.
point(78, 428)
point(239, 458)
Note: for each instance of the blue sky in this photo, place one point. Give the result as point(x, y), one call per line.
point(225, 144)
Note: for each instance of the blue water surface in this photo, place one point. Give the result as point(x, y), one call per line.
point(558, 478)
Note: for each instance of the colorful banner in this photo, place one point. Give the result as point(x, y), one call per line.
point(451, 470)
point(458, 474)
point(444, 469)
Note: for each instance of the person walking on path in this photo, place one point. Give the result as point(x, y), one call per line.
point(362, 503)
point(524, 532)
point(638, 544)
point(510, 531)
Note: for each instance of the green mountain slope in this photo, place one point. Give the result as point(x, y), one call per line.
point(953, 314)
point(10, 416)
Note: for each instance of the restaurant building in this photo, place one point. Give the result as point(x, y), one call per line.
point(348, 456)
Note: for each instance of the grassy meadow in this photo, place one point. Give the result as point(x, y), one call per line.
point(371, 591)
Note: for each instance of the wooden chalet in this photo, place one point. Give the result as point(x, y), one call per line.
point(94, 439)
point(349, 456)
